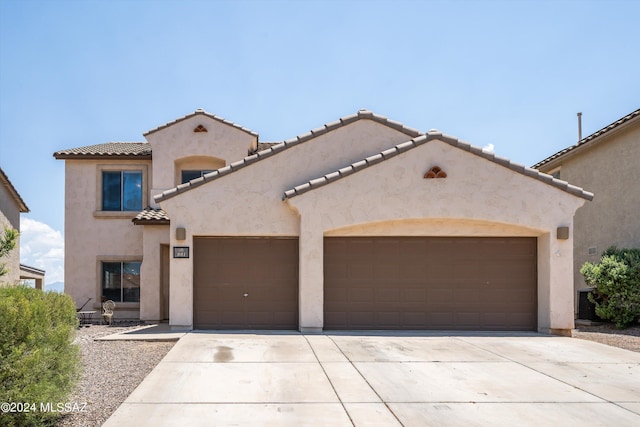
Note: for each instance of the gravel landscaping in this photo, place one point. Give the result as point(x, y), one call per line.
point(607, 333)
point(113, 369)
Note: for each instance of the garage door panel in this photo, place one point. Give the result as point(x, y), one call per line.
point(415, 295)
point(413, 320)
point(388, 294)
point(431, 283)
point(361, 294)
point(245, 283)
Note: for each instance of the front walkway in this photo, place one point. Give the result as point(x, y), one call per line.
point(364, 379)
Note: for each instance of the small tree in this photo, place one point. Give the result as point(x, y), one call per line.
point(616, 282)
point(7, 243)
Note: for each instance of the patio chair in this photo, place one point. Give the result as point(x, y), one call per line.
point(107, 311)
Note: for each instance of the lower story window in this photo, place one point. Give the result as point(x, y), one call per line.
point(121, 281)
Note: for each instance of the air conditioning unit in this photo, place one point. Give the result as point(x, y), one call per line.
point(586, 309)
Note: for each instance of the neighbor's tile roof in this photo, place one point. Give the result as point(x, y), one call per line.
point(430, 136)
point(32, 270)
point(151, 216)
point(114, 150)
point(200, 112)
point(587, 140)
point(279, 147)
point(264, 145)
point(4, 180)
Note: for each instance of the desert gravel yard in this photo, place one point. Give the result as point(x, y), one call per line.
point(629, 338)
point(113, 369)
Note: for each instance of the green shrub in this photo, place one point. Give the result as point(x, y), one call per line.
point(38, 361)
point(616, 282)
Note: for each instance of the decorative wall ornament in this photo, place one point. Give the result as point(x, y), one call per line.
point(200, 128)
point(435, 172)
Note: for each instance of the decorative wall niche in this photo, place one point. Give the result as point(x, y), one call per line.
point(200, 128)
point(435, 172)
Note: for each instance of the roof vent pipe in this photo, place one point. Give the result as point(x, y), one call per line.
point(579, 127)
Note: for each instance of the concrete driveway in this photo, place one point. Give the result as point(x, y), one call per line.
point(369, 379)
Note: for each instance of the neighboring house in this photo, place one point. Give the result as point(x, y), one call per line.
point(11, 206)
point(607, 163)
point(362, 223)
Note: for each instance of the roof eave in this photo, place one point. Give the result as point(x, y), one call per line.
point(22, 206)
point(151, 221)
point(284, 145)
point(431, 136)
point(201, 113)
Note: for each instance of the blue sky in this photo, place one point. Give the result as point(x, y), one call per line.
point(508, 73)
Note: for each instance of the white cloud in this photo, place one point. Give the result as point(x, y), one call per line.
point(489, 148)
point(42, 247)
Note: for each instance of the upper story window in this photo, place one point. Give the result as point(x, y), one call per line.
point(188, 175)
point(122, 190)
point(555, 173)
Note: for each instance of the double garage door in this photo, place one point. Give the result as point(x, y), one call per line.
point(430, 283)
point(370, 283)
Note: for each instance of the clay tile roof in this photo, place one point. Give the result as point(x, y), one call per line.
point(4, 180)
point(275, 148)
point(201, 112)
point(152, 216)
point(113, 150)
point(430, 136)
point(590, 138)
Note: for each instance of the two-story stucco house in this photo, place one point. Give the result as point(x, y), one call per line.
point(362, 223)
point(608, 163)
point(11, 206)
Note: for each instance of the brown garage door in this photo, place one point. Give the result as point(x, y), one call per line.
point(430, 283)
point(245, 283)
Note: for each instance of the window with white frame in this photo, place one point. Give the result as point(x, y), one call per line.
point(121, 281)
point(122, 190)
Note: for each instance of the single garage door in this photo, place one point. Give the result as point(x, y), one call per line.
point(245, 283)
point(430, 283)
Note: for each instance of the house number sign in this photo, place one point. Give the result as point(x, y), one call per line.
point(181, 251)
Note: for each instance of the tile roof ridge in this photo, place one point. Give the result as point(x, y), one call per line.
point(423, 139)
point(586, 140)
point(281, 146)
point(200, 111)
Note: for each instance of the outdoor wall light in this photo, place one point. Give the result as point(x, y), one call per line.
point(562, 233)
point(181, 233)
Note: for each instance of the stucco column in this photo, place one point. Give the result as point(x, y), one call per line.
point(181, 286)
point(152, 237)
point(311, 280)
point(555, 284)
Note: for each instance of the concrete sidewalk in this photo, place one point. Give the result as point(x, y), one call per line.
point(342, 379)
point(154, 332)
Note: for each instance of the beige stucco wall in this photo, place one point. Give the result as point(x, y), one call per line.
point(248, 202)
point(178, 141)
point(610, 169)
point(92, 236)
point(153, 237)
point(10, 217)
point(478, 198)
